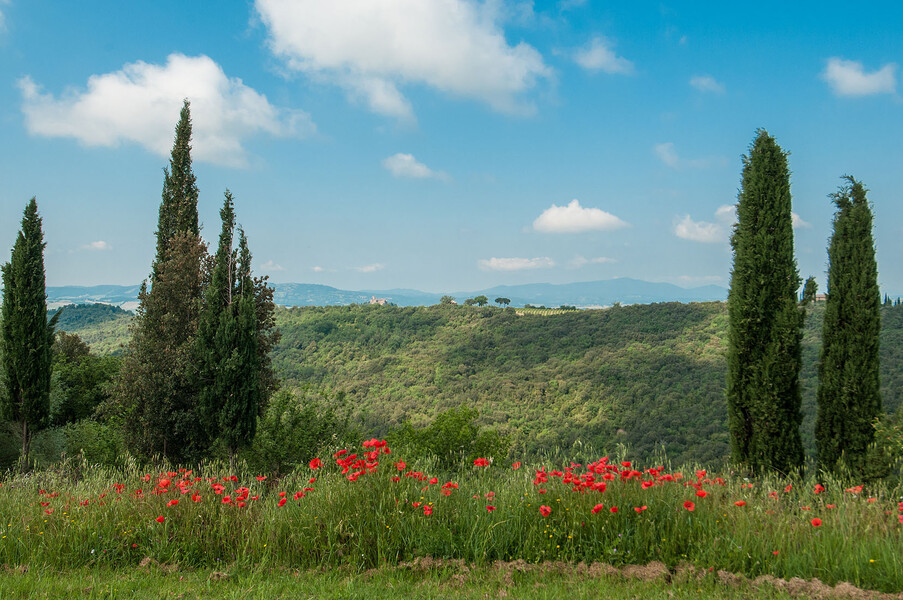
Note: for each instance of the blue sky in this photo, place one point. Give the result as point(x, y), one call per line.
point(446, 145)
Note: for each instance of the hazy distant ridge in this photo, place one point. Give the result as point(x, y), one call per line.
point(589, 293)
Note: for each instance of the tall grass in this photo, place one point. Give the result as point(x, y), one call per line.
point(75, 515)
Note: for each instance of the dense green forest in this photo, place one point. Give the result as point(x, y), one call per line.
point(649, 376)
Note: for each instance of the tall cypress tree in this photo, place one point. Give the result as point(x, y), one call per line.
point(157, 386)
point(765, 320)
point(231, 373)
point(849, 391)
point(26, 337)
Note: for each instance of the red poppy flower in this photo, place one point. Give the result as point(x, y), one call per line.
point(700, 474)
point(775, 552)
point(241, 505)
point(639, 509)
point(702, 493)
point(261, 477)
point(427, 510)
point(516, 466)
point(160, 519)
point(434, 480)
point(401, 465)
point(613, 509)
point(816, 522)
point(480, 462)
point(739, 503)
point(626, 464)
point(597, 508)
point(689, 505)
point(49, 511)
point(282, 502)
point(172, 502)
point(545, 510)
point(818, 488)
point(788, 488)
point(490, 508)
point(830, 506)
point(164, 483)
point(315, 463)
point(416, 504)
point(196, 497)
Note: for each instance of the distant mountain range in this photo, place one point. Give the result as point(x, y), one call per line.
point(586, 294)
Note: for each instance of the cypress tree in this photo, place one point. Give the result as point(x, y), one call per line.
point(765, 320)
point(849, 391)
point(233, 373)
point(26, 337)
point(157, 385)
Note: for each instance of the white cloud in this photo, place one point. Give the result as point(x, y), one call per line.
point(318, 269)
point(515, 264)
point(848, 78)
point(573, 218)
point(668, 155)
point(405, 165)
point(372, 47)
point(581, 261)
point(706, 83)
point(598, 56)
point(707, 232)
point(99, 245)
point(140, 103)
point(798, 222)
point(370, 268)
point(271, 267)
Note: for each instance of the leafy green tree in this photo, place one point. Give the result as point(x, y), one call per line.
point(849, 391)
point(765, 319)
point(481, 300)
point(80, 381)
point(156, 386)
point(447, 300)
point(26, 336)
point(503, 301)
point(470, 301)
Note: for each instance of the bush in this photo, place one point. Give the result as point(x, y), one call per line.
point(294, 427)
point(453, 436)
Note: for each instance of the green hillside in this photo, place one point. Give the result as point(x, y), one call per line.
point(649, 376)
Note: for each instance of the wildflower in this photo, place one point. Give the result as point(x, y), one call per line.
point(613, 509)
point(702, 493)
point(639, 509)
point(516, 466)
point(160, 519)
point(261, 477)
point(788, 488)
point(689, 506)
point(195, 497)
point(830, 506)
point(164, 483)
point(739, 503)
point(871, 500)
point(545, 510)
point(427, 510)
point(818, 489)
point(401, 465)
point(315, 463)
point(490, 508)
point(480, 462)
point(282, 502)
point(241, 505)
point(816, 522)
point(172, 502)
point(775, 553)
point(626, 464)
point(597, 508)
point(700, 474)
point(49, 511)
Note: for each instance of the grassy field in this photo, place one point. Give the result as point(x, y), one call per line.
point(364, 508)
point(403, 583)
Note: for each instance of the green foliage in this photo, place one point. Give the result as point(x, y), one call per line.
point(80, 382)
point(849, 392)
point(453, 436)
point(26, 336)
point(447, 300)
point(481, 300)
point(294, 427)
point(765, 334)
point(503, 301)
point(86, 316)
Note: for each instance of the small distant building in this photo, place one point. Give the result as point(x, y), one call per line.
point(380, 301)
point(821, 297)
